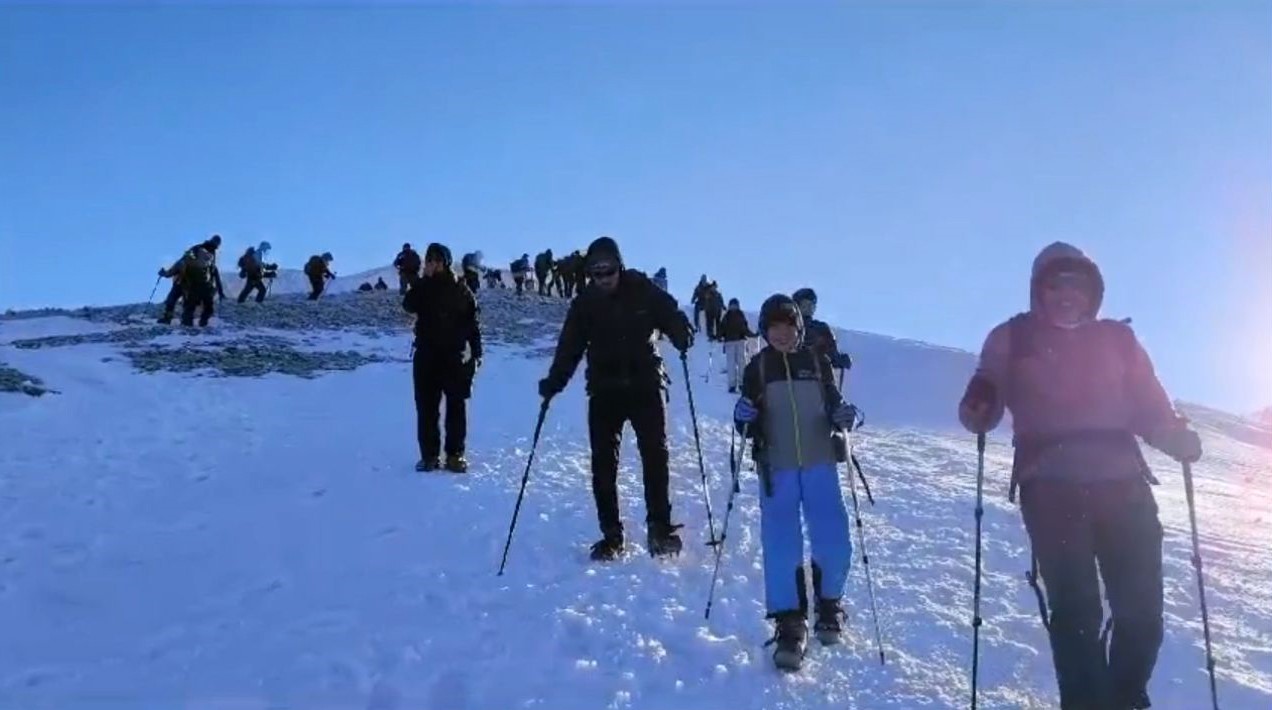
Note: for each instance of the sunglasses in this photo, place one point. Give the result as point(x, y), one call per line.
point(602, 271)
point(1067, 279)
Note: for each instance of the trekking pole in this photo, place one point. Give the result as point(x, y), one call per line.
point(525, 477)
point(735, 465)
point(697, 440)
point(976, 589)
point(1201, 583)
point(865, 563)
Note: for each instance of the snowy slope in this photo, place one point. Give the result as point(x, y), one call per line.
point(187, 540)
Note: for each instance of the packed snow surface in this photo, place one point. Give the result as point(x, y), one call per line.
point(230, 519)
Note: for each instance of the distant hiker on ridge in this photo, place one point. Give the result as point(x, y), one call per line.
point(520, 270)
point(734, 331)
point(318, 269)
point(407, 262)
point(178, 289)
point(818, 334)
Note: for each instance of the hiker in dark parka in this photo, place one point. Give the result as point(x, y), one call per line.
point(194, 272)
point(616, 321)
point(817, 333)
point(318, 269)
point(520, 270)
point(178, 290)
point(380, 285)
point(252, 271)
point(699, 293)
point(1080, 390)
point(407, 262)
point(735, 331)
point(543, 272)
point(448, 353)
point(713, 309)
point(471, 266)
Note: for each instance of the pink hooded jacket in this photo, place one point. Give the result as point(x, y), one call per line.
point(1076, 389)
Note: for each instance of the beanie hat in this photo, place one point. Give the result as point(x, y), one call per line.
point(780, 308)
point(604, 250)
point(439, 253)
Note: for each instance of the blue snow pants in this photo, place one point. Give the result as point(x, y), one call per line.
point(815, 489)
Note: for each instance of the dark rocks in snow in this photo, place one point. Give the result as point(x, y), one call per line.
point(12, 380)
point(245, 358)
point(253, 339)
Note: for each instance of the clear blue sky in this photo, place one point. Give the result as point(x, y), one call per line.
point(907, 161)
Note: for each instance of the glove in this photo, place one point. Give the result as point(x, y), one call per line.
point(548, 388)
point(978, 408)
point(163, 272)
point(844, 416)
point(1178, 442)
point(744, 411)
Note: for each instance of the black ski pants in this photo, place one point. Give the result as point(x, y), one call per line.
point(175, 294)
point(713, 324)
point(316, 284)
point(608, 411)
point(1073, 526)
point(195, 296)
point(435, 379)
point(254, 283)
point(472, 279)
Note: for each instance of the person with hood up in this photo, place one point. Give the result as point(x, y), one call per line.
point(447, 355)
point(543, 272)
point(407, 263)
point(699, 293)
point(194, 272)
point(1081, 389)
point(380, 285)
point(520, 271)
point(178, 290)
point(472, 268)
point(660, 278)
point(791, 409)
point(735, 331)
point(713, 309)
point(616, 321)
point(318, 269)
point(252, 271)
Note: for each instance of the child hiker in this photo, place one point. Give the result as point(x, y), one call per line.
point(791, 408)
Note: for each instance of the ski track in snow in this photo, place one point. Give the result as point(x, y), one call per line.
point(175, 541)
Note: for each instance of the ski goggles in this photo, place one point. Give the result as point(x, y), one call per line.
point(602, 270)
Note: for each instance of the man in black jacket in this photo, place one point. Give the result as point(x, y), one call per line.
point(735, 331)
point(407, 262)
point(447, 355)
point(617, 320)
point(817, 333)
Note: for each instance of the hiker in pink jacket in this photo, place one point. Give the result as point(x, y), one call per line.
point(1080, 390)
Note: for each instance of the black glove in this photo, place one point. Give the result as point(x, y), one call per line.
point(549, 388)
point(1178, 442)
point(843, 361)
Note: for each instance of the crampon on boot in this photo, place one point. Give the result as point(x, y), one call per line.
point(607, 548)
point(663, 540)
point(429, 464)
point(828, 628)
point(790, 635)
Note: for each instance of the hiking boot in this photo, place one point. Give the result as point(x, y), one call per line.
point(829, 625)
point(456, 463)
point(791, 637)
point(1134, 701)
point(608, 548)
point(663, 540)
point(426, 465)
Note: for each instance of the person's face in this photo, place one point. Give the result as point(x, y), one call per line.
point(807, 307)
point(604, 275)
point(432, 268)
point(1066, 298)
point(783, 335)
